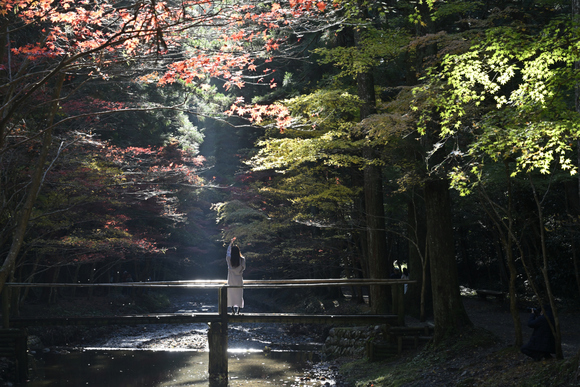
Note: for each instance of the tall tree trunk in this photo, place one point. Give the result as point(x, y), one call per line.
point(511, 262)
point(556, 328)
point(373, 191)
point(507, 237)
point(417, 295)
point(374, 205)
point(573, 211)
point(448, 310)
point(505, 232)
point(519, 340)
point(424, 288)
point(359, 233)
point(377, 241)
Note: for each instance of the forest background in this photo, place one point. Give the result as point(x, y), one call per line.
point(332, 138)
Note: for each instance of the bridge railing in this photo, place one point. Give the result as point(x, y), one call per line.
point(218, 283)
point(221, 286)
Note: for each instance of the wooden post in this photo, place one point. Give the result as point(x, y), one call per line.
point(400, 304)
point(370, 352)
point(223, 303)
point(395, 298)
point(5, 307)
point(21, 352)
point(218, 341)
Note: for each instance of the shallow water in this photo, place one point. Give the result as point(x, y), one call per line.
point(145, 368)
point(162, 355)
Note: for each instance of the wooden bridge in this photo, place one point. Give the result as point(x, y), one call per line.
point(218, 322)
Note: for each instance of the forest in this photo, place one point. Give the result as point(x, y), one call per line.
point(332, 138)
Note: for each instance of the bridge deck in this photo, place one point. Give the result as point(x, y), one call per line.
point(186, 318)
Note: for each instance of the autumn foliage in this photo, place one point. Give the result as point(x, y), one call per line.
point(54, 57)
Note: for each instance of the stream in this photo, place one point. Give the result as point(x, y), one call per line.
point(159, 355)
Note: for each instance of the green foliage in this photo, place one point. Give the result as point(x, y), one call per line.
point(375, 47)
point(315, 187)
point(331, 148)
point(513, 95)
point(392, 121)
point(155, 127)
point(324, 109)
point(454, 8)
point(246, 221)
point(322, 121)
point(236, 212)
point(188, 135)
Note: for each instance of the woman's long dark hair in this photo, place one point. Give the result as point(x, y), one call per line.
point(235, 258)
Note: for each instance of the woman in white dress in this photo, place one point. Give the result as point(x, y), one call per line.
point(236, 266)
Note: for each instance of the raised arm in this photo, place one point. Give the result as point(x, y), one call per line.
point(229, 252)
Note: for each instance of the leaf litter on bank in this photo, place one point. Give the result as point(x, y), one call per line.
point(476, 358)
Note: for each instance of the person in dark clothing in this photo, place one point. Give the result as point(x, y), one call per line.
point(542, 342)
point(396, 274)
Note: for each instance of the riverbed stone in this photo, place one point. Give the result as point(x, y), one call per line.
point(34, 343)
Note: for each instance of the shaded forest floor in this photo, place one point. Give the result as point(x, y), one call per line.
point(483, 356)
